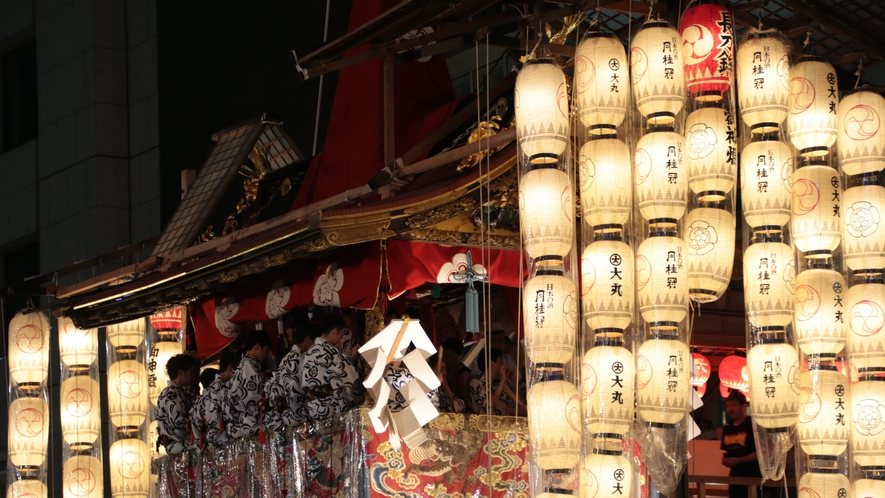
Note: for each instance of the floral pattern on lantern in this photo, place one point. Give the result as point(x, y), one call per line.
point(864, 238)
point(819, 311)
point(709, 234)
point(868, 422)
point(663, 380)
point(661, 279)
point(660, 179)
point(606, 188)
point(127, 393)
point(861, 140)
point(769, 279)
point(546, 212)
point(767, 183)
point(80, 408)
point(600, 70)
point(814, 93)
point(83, 477)
point(550, 304)
point(607, 378)
point(707, 49)
point(865, 318)
point(657, 72)
point(710, 152)
point(774, 384)
point(28, 349)
point(542, 111)
point(816, 221)
point(824, 411)
point(557, 446)
point(607, 289)
point(28, 432)
point(763, 75)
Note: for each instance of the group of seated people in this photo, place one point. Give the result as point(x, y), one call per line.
point(314, 380)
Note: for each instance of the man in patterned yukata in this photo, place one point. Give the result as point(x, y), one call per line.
point(198, 415)
point(327, 378)
point(206, 416)
point(174, 404)
point(285, 400)
point(242, 402)
point(503, 400)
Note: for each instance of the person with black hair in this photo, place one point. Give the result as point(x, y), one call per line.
point(207, 413)
point(458, 374)
point(242, 401)
point(175, 403)
point(328, 380)
point(739, 444)
point(502, 400)
point(284, 397)
point(198, 416)
point(443, 398)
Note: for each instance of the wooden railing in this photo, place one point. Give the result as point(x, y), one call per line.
point(698, 485)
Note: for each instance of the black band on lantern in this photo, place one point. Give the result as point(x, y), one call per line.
point(871, 370)
point(775, 430)
point(556, 273)
point(711, 196)
point(558, 471)
point(544, 160)
point(609, 341)
point(608, 230)
point(549, 257)
point(597, 451)
point(607, 435)
point(661, 121)
point(598, 131)
point(704, 292)
point(661, 425)
point(764, 128)
point(558, 491)
point(708, 97)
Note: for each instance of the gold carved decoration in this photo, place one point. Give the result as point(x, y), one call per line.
point(484, 130)
point(374, 321)
point(207, 235)
point(442, 213)
point(464, 238)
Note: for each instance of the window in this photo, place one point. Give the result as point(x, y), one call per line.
point(19, 88)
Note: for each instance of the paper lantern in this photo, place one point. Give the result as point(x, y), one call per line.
point(557, 445)
point(861, 141)
point(126, 337)
point(864, 319)
point(763, 67)
point(608, 373)
point(814, 93)
point(29, 349)
point(30, 488)
point(160, 354)
point(863, 238)
point(130, 461)
point(711, 154)
point(657, 71)
point(606, 183)
point(819, 311)
point(663, 380)
point(767, 183)
point(546, 212)
point(77, 348)
point(542, 111)
point(550, 304)
point(868, 421)
point(169, 320)
point(774, 384)
point(709, 236)
point(607, 290)
point(660, 177)
point(816, 221)
point(83, 477)
point(734, 374)
point(80, 407)
point(127, 393)
point(824, 411)
point(769, 275)
point(662, 279)
point(821, 483)
point(600, 77)
point(707, 50)
point(28, 432)
point(868, 488)
point(606, 474)
point(701, 373)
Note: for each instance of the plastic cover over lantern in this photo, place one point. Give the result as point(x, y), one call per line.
point(77, 347)
point(763, 67)
point(707, 50)
point(127, 393)
point(814, 93)
point(865, 318)
point(608, 375)
point(29, 488)
point(657, 71)
point(774, 384)
point(868, 421)
point(600, 77)
point(660, 179)
point(823, 482)
point(606, 474)
point(130, 468)
point(160, 353)
point(80, 408)
point(661, 278)
point(864, 238)
point(546, 212)
point(606, 188)
point(28, 349)
point(819, 311)
point(607, 288)
point(816, 204)
point(28, 432)
point(550, 304)
point(83, 477)
point(710, 150)
point(663, 380)
point(769, 275)
point(557, 445)
point(709, 234)
point(127, 336)
point(767, 183)
point(868, 488)
point(825, 411)
point(542, 111)
point(861, 140)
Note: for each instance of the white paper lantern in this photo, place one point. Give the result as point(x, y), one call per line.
point(861, 141)
point(709, 235)
point(607, 289)
point(542, 111)
point(823, 483)
point(819, 311)
point(606, 474)
point(557, 445)
point(601, 81)
point(824, 411)
point(30, 488)
point(127, 336)
point(83, 477)
point(28, 349)
point(763, 67)
point(710, 150)
point(863, 238)
point(663, 380)
point(816, 205)
point(550, 304)
point(130, 461)
point(546, 212)
point(28, 432)
point(608, 373)
point(774, 384)
point(657, 72)
point(80, 407)
point(868, 421)
point(814, 93)
point(160, 354)
point(868, 488)
point(864, 320)
point(767, 183)
point(606, 183)
point(77, 347)
point(662, 279)
point(127, 393)
point(769, 275)
point(660, 178)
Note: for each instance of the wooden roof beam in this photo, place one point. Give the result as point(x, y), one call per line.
point(837, 25)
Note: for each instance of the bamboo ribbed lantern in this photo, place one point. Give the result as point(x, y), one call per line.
point(606, 185)
point(819, 311)
point(863, 237)
point(658, 74)
point(711, 154)
point(814, 93)
point(83, 477)
point(546, 212)
point(769, 275)
point(763, 75)
point(130, 461)
point(774, 384)
point(662, 279)
point(709, 234)
point(607, 283)
point(608, 373)
point(28, 432)
point(868, 421)
point(861, 139)
point(28, 349)
point(864, 321)
point(824, 411)
point(767, 183)
point(707, 50)
point(127, 393)
point(557, 445)
point(660, 178)
point(816, 205)
point(550, 304)
point(80, 411)
point(77, 348)
point(601, 81)
point(542, 112)
point(663, 380)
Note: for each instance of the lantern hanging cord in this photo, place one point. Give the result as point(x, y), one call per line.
point(807, 43)
point(651, 9)
point(859, 72)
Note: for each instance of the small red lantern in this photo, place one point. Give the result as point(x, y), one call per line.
point(707, 50)
point(701, 373)
point(733, 374)
point(169, 320)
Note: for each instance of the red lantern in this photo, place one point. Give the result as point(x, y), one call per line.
point(701, 373)
point(168, 320)
point(733, 374)
point(707, 50)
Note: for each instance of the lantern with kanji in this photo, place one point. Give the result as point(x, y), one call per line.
point(763, 75)
point(701, 373)
point(606, 473)
point(773, 367)
point(542, 111)
point(734, 375)
point(707, 50)
point(824, 410)
point(607, 376)
point(662, 279)
point(819, 310)
point(766, 183)
point(663, 380)
point(823, 482)
point(607, 277)
point(769, 275)
point(660, 179)
point(550, 304)
point(816, 204)
point(814, 93)
point(160, 354)
point(657, 71)
point(600, 77)
point(861, 139)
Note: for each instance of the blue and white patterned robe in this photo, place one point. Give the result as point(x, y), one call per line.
point(207, 412)
point(328, 381)
point(398, 377)
point(284, 399)
point(478, 399)
point(242, 402)
point(173, 412)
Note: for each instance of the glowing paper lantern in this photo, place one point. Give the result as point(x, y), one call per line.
point(169, 320)
point(707, 50)
point(663, 380)
point(861, 141)
point(734, 374)
point(126, 337)
point(29, 488)
point(767, 183)
point(657, 71)
point(606, 188)
point(546, 212)
point(600, 77)
point(557, 445)
point(550, 304)
point(816, 222)
point(709, 235)
point(542, 111)
point(819, 483)
point(28, 432)
point(710, 150)
point(813, 96)
point(864, 320)
point(701, 373)
point(160, 354)
point(607, 288)
point(868, 421)
point(824, 411)
point(606, 474)
point(774, 384)
point(819, 311)
point(608, 372)
point(130, 468)
point(662, 279)
point(29, 349)
point(83, 477)
point(769, 275)
point(80, 408)
point(868, 488)
point(863, 238)
point(660, 177)
point(77, 348)
point(127, 393)
point(763, 67)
